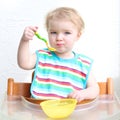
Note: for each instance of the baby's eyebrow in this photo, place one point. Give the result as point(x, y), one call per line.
point(66, 30)
point(52, 29)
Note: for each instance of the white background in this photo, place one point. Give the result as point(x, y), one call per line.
point(100, 40)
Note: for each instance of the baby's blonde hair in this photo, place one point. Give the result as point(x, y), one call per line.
point(67, 14)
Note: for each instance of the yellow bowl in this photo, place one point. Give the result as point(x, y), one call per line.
point(58, 108)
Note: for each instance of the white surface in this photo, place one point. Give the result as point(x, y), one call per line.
point(15, 110)
point(101, 39)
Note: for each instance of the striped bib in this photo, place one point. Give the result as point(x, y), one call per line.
point(55, 77)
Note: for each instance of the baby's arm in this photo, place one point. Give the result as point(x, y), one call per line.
point(25, 59)
point(91, 92)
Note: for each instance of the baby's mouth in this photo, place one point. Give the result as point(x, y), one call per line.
point(59, 44)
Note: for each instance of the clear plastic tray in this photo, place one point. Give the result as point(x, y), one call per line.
point(34, 104)
point(87, 104)
point(30, 105)
point(107, 98)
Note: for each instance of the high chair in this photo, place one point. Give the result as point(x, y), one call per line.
point(23, 89)
point(106, 87)
point(18, 88)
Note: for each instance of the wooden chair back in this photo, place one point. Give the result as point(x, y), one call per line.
point(106, 87)
point(23, 89)
point(18, 88)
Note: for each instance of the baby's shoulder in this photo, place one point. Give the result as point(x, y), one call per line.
point(43, 51)
point(84, 58)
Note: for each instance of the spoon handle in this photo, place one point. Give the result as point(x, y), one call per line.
point(40, 37)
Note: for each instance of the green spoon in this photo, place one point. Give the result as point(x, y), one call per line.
point(43, 39)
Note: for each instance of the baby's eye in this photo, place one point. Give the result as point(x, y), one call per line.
point(67, 33)
point(53, 32)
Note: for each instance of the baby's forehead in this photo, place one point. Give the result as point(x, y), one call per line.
point(60, 19)
point(62, 25)
point(61, 22)
point(63, 18)
point(55, 20)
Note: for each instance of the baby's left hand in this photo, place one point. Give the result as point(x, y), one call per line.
point(78, 95)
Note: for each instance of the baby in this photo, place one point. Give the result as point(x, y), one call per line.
point(62, 73)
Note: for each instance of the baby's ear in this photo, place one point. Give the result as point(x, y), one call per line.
point(79, 34)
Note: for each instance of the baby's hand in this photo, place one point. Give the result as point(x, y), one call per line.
point(78, 95)
point(29, 33)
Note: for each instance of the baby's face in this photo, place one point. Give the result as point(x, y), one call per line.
point(62, 35)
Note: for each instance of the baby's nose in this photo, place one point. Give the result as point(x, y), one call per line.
point(59, 37)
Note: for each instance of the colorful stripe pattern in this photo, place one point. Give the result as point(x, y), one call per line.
point(56, 77)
